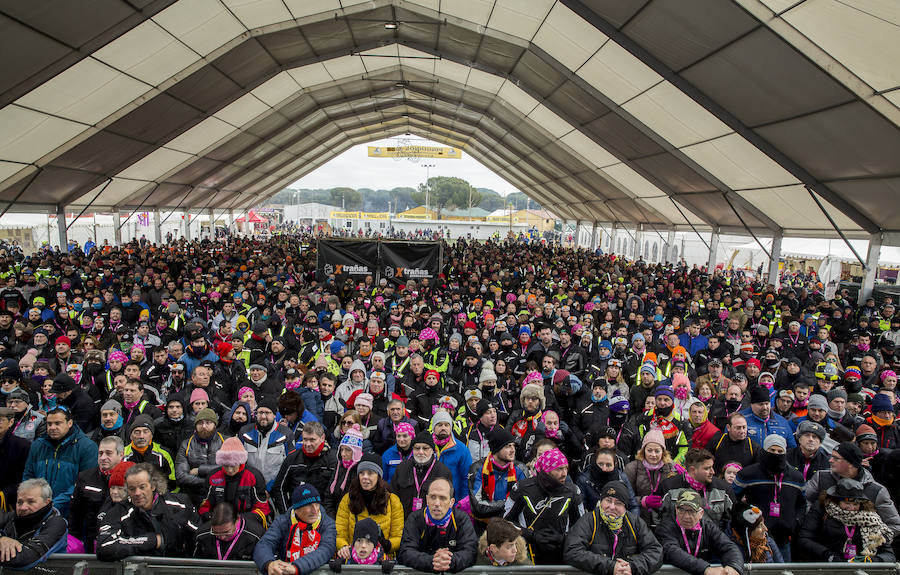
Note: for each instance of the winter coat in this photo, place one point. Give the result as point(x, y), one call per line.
point(718, 500)
point(822, 538)
point(299, 467)
point(714, 546)
point(91, 491)
point(757, 485)
point(420, 542)
point(796, 459)
point(522, 557)
point(155, 456)
point(126, 530)
point(391, 523)
point(249, 494)
point(458, 460)
point(545, 515)
point(758, 430)
point(640, 481)
point(589, 546)
point(171, 434)
point(60, 464)
point(391, 459)
point(273, 545)
point(13, 454)
point(725, 450)
point(48, 537)
point(249, 537)
point(403, 483)
point(195, 453)
point(266, 452)
point(875, 491)
point(590, 484)
point(483, 508)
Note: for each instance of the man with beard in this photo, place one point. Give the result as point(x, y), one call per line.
point(196, 457)
point(762, 422)
point(732, 444)
point(546, 507)
point(411, 478)
point(777, 489)
point(808, 457)
point(404, 432)
point(34, 530)
point(492, 478)
point(267, 442)
point(92, 491)
point(314, 462)
point(449, 451)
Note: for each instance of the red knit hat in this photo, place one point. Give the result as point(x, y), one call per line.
point(117, 476)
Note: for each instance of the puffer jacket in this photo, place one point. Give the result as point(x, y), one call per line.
point(484, 507)
point(391, 523)
point(199, 454)
point(249, 494)
point(60, 464)
point(266, 452)
point(273, 545)
point(590, 546)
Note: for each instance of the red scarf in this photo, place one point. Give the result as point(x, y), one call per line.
point(302, 539)
point(316, 452)
point(520, 428)
point(489, 480)
point(667, 426)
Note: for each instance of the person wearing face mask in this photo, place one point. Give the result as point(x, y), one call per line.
point(412, 476)
point(611, 541)
point(777, 489)
point(692, 541)
point(601, 470)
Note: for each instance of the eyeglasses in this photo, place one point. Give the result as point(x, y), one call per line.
point(227, 533)
point(346, 423)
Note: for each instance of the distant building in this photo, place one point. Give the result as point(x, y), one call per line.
point(308, 214)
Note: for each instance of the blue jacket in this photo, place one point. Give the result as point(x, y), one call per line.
point(191, 361)
point(693, 345)
point(390, 460)
point(458, 460)
point(482, 507)
point(273, 545)
point(312, 401)
point(757, 429)
point(61, 464)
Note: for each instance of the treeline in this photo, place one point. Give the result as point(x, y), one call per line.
point(401, 199)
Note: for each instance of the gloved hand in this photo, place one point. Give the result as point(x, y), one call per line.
point(335, 565)
point(546, 538)
point(387, 566)
point(385, 543)
point(651, 502)
point(528, 534)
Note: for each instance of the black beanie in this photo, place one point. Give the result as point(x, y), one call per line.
point(482, 407)
point(759, 394)
point(850, 451)
point(499, 439)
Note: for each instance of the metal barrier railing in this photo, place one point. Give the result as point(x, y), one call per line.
point(89, 565)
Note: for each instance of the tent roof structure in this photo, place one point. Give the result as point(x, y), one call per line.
point(770, 116)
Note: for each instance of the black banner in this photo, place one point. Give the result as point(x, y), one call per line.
point(353, 259)
point(404, 261)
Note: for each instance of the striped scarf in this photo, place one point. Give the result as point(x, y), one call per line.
point(489, 480)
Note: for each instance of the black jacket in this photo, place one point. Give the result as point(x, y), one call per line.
point(13, 454)
point(250, 535)
point(822, 538)
point(797, 460)
point(49, 536)
point(126, 530)
point(725, 450)
point(714, 546)
point(404, 485)
point(297, 468)
point(421, 541)
point(545, 513)
point(757, 485)
point(84, 411)
point(91, 490)
point(589, 546)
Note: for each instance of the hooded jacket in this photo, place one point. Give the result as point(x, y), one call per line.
point(195, 453)
point(521, 553)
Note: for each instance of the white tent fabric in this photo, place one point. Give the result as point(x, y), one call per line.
point(820, 249)
point(775, 116)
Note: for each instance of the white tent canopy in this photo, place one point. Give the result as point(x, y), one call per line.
point(820, 249)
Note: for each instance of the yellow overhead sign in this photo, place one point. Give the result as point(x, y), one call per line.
point(415, 152)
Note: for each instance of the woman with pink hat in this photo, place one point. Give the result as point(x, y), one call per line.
point(652, 465)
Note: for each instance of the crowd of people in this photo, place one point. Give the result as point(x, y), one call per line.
point(529, 405)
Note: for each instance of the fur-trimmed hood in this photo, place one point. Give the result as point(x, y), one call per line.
point(521, 551)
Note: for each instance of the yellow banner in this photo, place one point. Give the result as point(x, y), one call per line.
point(361, 215)
point(415, 152)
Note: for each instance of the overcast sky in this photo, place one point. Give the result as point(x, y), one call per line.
point(354, 169)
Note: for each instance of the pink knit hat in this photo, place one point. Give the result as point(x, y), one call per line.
point(232, 452)
point(199, 394)
point(654, 436)
point(550, 460)
point(354, 440)
point(533, 377)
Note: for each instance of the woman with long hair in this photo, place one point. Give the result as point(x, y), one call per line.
point(652, 465)
point(369, 495)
